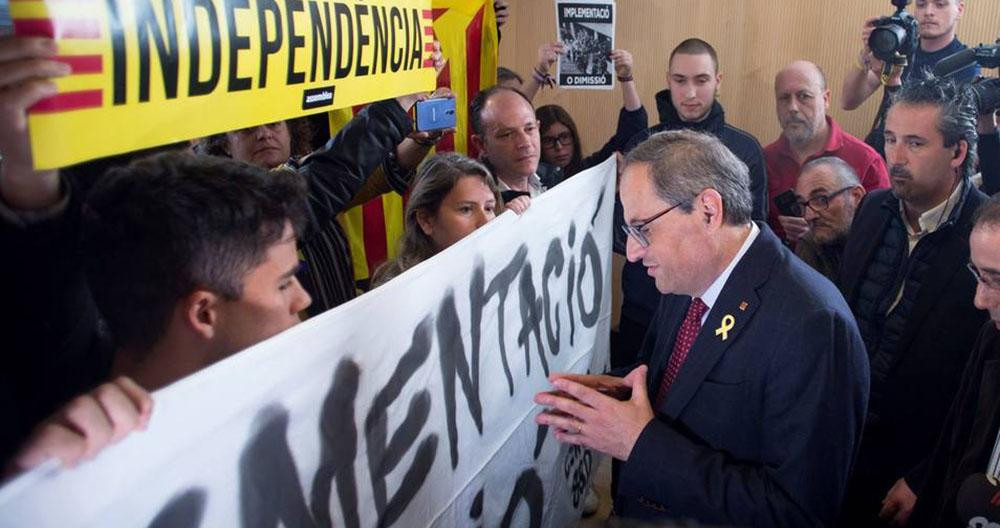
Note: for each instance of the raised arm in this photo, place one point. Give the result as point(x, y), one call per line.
point(864, 78)
point(623, 69)
point(26, 72)
point(548, 54)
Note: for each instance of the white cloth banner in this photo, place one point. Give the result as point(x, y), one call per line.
point(409, 406)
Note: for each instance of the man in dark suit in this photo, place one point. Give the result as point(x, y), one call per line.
point(903, 274)
point(968, 451)
point(758, 383)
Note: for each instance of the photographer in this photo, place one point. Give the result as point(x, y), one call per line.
point(937, 23)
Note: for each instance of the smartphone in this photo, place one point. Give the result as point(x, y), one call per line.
point(788, 204)
point(434, 114)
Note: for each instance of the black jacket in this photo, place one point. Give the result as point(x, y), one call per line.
point(335, 174)
point(630, 123)
point(912, 390)
point(968, 435)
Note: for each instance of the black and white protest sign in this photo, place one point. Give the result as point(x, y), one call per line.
point(587, 29)
point(409, 406)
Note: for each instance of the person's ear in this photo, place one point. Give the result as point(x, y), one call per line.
point(710, 207)
point(858, 192)
point(479, 144)
point(960, 152)
point(425, 221)
point(201, 313)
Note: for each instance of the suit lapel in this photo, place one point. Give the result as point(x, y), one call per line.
point(736, 305)
point(722, 328)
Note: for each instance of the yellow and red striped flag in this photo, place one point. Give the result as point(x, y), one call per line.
point(468, 34)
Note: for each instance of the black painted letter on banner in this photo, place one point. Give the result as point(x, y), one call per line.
point(383, 457)
point(269, 483)
point(454, 364)
point(338, 446)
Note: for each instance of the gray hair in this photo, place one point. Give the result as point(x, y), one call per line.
point(844, 172)
point(683, 163)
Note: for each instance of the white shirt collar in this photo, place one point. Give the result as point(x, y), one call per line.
point(932, 218)
point(712, 293)
point(534, 184)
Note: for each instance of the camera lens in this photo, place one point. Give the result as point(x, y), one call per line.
point(886, 40)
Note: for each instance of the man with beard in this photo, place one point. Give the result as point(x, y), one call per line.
point(904, 276)
point(802, 102)
point(828, 192)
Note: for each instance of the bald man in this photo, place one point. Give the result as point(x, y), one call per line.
point(802, 102)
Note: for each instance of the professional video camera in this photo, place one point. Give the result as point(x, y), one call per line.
point(985, 92)
point(894, 39)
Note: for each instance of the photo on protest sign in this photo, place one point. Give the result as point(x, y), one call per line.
point(587, 29)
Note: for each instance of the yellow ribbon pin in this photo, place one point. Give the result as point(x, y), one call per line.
point(728, 322)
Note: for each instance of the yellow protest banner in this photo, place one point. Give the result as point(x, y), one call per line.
point(151, 72)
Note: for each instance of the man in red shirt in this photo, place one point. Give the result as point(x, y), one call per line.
point(803, 100)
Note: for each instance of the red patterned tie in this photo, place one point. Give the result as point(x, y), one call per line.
point(682, 345)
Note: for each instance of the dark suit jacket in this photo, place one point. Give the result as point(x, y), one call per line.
point(967, 439)
point(759, 428)
point(920, 381)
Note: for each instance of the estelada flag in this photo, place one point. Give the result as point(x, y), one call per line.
point(468, 34)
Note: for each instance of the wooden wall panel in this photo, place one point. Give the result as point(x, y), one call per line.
point(754, 39)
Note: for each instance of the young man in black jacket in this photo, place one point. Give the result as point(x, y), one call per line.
point(689, 103)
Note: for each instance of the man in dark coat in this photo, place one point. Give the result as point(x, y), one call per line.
point(758, 378)
point(967, 450)
point(689, 104)
point(903, 276)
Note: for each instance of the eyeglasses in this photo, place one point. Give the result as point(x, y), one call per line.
point(990, 282)
point(637, 231)
point(565, 139)
point(822, 202)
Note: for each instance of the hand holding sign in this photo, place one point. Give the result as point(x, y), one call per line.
point(589, 418)
point(548, 54)
point(27, 66)
point(623, 63)
point(86, 425)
